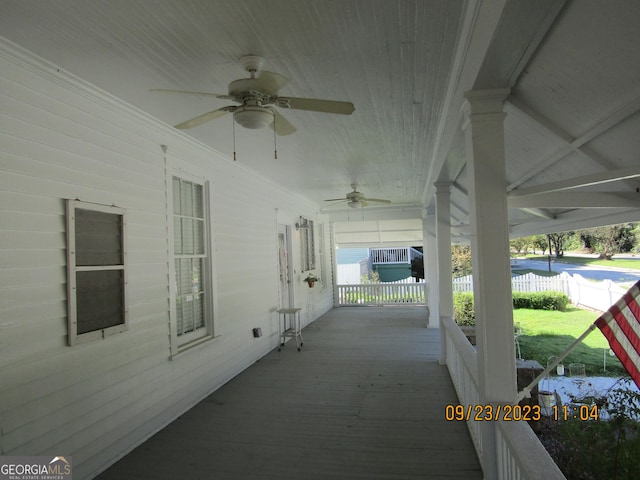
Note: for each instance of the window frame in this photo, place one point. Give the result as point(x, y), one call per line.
point(321, 256)
point(181, 343)
point(307, 245)
point(73, 337)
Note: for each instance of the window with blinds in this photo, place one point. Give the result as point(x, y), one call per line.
point(96, 271)
point(190, 261)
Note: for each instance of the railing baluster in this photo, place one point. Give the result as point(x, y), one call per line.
point(382, 293)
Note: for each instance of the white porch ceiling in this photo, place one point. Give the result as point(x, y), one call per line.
point(572, 116)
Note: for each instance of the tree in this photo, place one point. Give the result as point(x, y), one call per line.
point(557, 243)
point(539, 241)
point(636, 238)
point(519, 244)
point(610, 240)
point(535, 242)
point(460, 260)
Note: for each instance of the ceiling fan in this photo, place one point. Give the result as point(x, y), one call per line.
point(357, 199)
point(255, 96)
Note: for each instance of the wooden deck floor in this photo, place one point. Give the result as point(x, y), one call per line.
point(364, 399)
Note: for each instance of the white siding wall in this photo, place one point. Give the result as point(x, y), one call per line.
point(61, 138)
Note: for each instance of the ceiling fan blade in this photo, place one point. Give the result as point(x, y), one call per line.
point(186, 92)
point(379, 200)
point(270, 82)
point(315, 105)
point(336, 200)
point(281, 125)
point(199, 120)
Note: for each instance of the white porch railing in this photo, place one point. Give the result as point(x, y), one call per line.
point(390, 255)
point(519, 455)
point(382, 294)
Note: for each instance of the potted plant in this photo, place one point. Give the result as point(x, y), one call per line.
point(311, 279)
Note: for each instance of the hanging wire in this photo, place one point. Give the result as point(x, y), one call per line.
point(233, 128)
point(275, 143)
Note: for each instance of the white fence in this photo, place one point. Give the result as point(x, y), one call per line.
point(382, 294)
point(351, 273)
point(596, 295)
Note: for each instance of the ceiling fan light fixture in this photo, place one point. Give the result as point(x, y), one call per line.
point(354, 204)
point(253, 117)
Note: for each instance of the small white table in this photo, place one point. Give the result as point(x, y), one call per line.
point(293, 330)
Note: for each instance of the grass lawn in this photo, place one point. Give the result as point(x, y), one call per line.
point(547, 333)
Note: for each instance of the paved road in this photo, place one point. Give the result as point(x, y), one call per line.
point(618, 275)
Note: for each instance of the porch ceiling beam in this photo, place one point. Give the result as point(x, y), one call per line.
point(538, 212)
point(460, 212)
point(576, 220)
point(479, 24)
point(373, 213)
point(577, 182)
point(515, 106)
point(375, 227)
point(576, 200)
point(378, 233)
point(460, 188)
point(462, 229)
point(497, 42)
point(523, 27)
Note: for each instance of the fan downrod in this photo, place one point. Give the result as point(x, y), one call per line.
point(252, 63)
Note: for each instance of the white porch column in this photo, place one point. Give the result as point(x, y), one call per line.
point(484, 132)
point(431, 267)
point(490, 245)
point(443, 240)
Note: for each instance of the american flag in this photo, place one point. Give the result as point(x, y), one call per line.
point(621, 325)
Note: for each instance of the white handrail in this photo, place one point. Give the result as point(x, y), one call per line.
point(519, 453)
point(462, 363)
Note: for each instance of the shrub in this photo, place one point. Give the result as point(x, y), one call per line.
point(600, 448)
point(464, 313)
point(548, 300)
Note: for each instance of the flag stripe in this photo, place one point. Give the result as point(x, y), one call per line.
point(621, 327)
point(628, 322)
point(621, 347)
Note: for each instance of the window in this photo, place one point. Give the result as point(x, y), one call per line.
point(307, 244)
point(191, 262)
point(96, 271)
